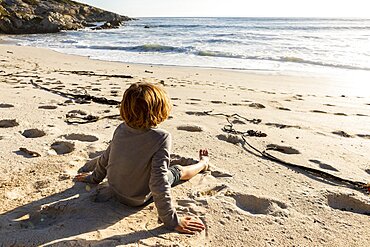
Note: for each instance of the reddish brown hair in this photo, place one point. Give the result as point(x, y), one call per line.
point(144, 105)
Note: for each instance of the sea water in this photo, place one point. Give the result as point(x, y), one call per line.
point(270, 44)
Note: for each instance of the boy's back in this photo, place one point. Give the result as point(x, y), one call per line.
point(136, 164)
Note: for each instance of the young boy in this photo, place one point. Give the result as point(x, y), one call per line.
point(136, 163)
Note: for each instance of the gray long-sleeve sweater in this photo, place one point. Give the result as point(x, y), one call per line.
point(136, 164)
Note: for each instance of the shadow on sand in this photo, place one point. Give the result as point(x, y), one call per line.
point(66, 214)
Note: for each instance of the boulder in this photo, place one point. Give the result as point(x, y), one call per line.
point(109, 25)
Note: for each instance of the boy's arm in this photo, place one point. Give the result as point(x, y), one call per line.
point(100, 170)
point(160, 186)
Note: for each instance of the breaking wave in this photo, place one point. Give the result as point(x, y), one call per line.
point(140, 48)
point(157, 48)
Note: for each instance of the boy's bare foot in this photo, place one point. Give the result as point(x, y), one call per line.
point(187, 172)
point(203, 157)
point(189, 225)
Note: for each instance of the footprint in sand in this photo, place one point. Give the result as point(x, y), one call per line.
point(268, 92)
point(218, 102)
point(192, 103)
point(57, 83)
point(191, 128)
point(324, 166)
point(349, 202)
point(48, 107)
point(33, 133)
point(361, 115)
point(62, 147)
point(234, 139)
point(319, 111)
point(237, 104)
point(297, 97)
point(259, 205)
point(5, 105)
point(81, 137)
point(195, 113)
point(8, 123)
point(329, 105)
point(282, 126)
point(341, 133)
point(340, 114)
point(256, 105)
point(367, 171)
point(221, 174)
point(284, 109)
point(364, 136)
point(27, 153)
point(282, 149)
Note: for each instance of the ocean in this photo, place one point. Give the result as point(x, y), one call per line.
point(270, 44)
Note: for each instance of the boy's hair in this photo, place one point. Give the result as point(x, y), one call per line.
point(144, 105)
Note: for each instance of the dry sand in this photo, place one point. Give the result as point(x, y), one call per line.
point(245, 200)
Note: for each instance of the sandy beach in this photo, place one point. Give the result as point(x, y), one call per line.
point(314, 121)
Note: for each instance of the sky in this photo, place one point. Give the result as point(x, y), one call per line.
point(236, 8)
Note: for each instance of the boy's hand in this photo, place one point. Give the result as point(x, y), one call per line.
point(81, 177)
point(189, 225)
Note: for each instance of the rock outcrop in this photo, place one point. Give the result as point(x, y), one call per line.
point(50, 16)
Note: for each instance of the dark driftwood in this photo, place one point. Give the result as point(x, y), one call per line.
point(92, 73)
point(88, 119)
point(74, 119)
point(99, 100)
point(230, 129)
point(19, 75)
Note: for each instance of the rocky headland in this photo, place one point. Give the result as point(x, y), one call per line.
point(51, 16)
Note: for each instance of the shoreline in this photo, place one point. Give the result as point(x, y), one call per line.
point(332, 73)
point(245, 201)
